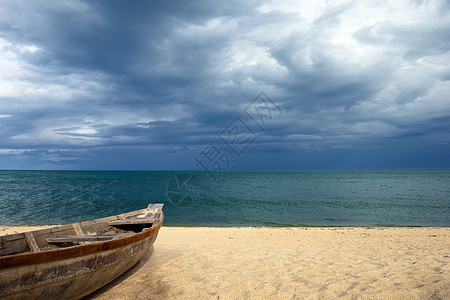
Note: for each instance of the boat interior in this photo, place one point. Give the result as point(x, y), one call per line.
point(82, 233)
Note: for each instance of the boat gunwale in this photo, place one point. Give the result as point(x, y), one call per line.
point(31, 258)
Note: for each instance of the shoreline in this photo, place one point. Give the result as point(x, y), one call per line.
point(289, 262)
point(5, 230)
point(36, 227)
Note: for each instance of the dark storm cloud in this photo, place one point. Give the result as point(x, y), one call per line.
point(84, 80)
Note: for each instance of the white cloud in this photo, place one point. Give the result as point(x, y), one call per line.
point(28, 48)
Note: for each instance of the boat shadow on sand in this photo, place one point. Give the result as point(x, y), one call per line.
point(148, 264)
point(122, 277)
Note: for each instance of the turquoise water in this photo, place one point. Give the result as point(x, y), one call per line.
point(312, 198)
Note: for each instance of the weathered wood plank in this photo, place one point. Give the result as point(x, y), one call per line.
point(154, 206)
point(31, 242)
point(77, 228)
point(133, 221)
point(85, 238)
point(78, 238)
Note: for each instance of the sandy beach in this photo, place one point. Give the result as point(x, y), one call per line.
point(288, 263)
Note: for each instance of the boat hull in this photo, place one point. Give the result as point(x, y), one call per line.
point(72, 278)
point(73, 272)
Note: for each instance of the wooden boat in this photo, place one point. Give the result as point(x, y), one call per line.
point(72, 261)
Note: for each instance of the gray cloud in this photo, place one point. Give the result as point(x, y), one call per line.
point(83, 80)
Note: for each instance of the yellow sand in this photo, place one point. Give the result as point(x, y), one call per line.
point(291, 263)
point(17, 229)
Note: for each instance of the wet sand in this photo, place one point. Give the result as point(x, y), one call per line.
point(290, 263)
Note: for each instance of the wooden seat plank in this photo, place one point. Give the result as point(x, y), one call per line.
point(31, 242)
point(133, 221)
point(85, 238)
point(77, 229)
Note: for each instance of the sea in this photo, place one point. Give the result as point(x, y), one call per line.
point(406, 197)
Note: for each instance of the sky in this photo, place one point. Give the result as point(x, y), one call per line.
point(224, 85)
